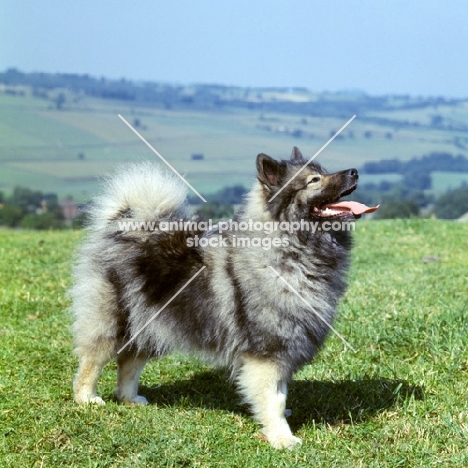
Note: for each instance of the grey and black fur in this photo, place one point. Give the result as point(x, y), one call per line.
point(237, 313)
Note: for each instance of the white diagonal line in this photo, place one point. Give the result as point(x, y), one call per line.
point(311, 308)
point(157, 154)
point(161, 309)
point(312, 158)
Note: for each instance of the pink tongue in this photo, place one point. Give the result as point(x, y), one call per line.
point(355, 207)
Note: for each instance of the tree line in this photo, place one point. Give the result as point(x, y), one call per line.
point(31, 209)
point(204, 97)
point(435, 161)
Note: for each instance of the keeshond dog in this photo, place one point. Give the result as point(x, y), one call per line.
point(135, 295)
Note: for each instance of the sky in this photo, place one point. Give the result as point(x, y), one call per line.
point(380, 47)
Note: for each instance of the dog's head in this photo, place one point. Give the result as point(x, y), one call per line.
point(307, 188)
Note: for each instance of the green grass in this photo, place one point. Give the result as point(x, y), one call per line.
point(401, 400)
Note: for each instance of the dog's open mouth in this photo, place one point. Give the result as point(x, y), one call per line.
point(344, 208)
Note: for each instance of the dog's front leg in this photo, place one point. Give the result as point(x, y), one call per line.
point(263, 388)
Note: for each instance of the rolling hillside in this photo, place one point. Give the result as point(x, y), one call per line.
point(60, 140)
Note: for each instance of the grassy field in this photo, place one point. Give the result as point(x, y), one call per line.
point(40, 145)
point(401, 400)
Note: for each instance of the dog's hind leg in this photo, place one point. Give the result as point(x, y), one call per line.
point(262, 385)
point(129, 369)
point(90, 367)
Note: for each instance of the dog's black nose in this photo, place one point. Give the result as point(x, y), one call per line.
point(353, 173)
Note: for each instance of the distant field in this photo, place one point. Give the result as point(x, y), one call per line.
point(449, 115)
point(442, 181)
point(377, 178)
point(64, 151)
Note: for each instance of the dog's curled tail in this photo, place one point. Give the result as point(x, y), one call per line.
point(141, 191)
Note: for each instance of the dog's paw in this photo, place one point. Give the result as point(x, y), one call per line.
point(88, 399)
point(97, 401)
point(285, 442)
point(281, 439)
point(131, 400)
point(138, 400)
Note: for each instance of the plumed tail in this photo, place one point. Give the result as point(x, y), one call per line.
point(140, 191)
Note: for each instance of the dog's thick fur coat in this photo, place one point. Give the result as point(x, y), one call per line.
point(237, 313)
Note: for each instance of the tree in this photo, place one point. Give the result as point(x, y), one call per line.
point(60, 101)
point(25, 198)
point(80, 221)
point(436, 120)
point(42, 221)
point(54, 209)
point(22, 208)
point(216, 211)
point(419, 180)
point(229, 195)
point(452, 204)
point(11, 215)
point(397, 209)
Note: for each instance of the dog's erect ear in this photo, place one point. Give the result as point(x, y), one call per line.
point(269, 170)
point(296, 154)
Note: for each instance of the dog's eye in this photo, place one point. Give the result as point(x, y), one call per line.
point(314, 180)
